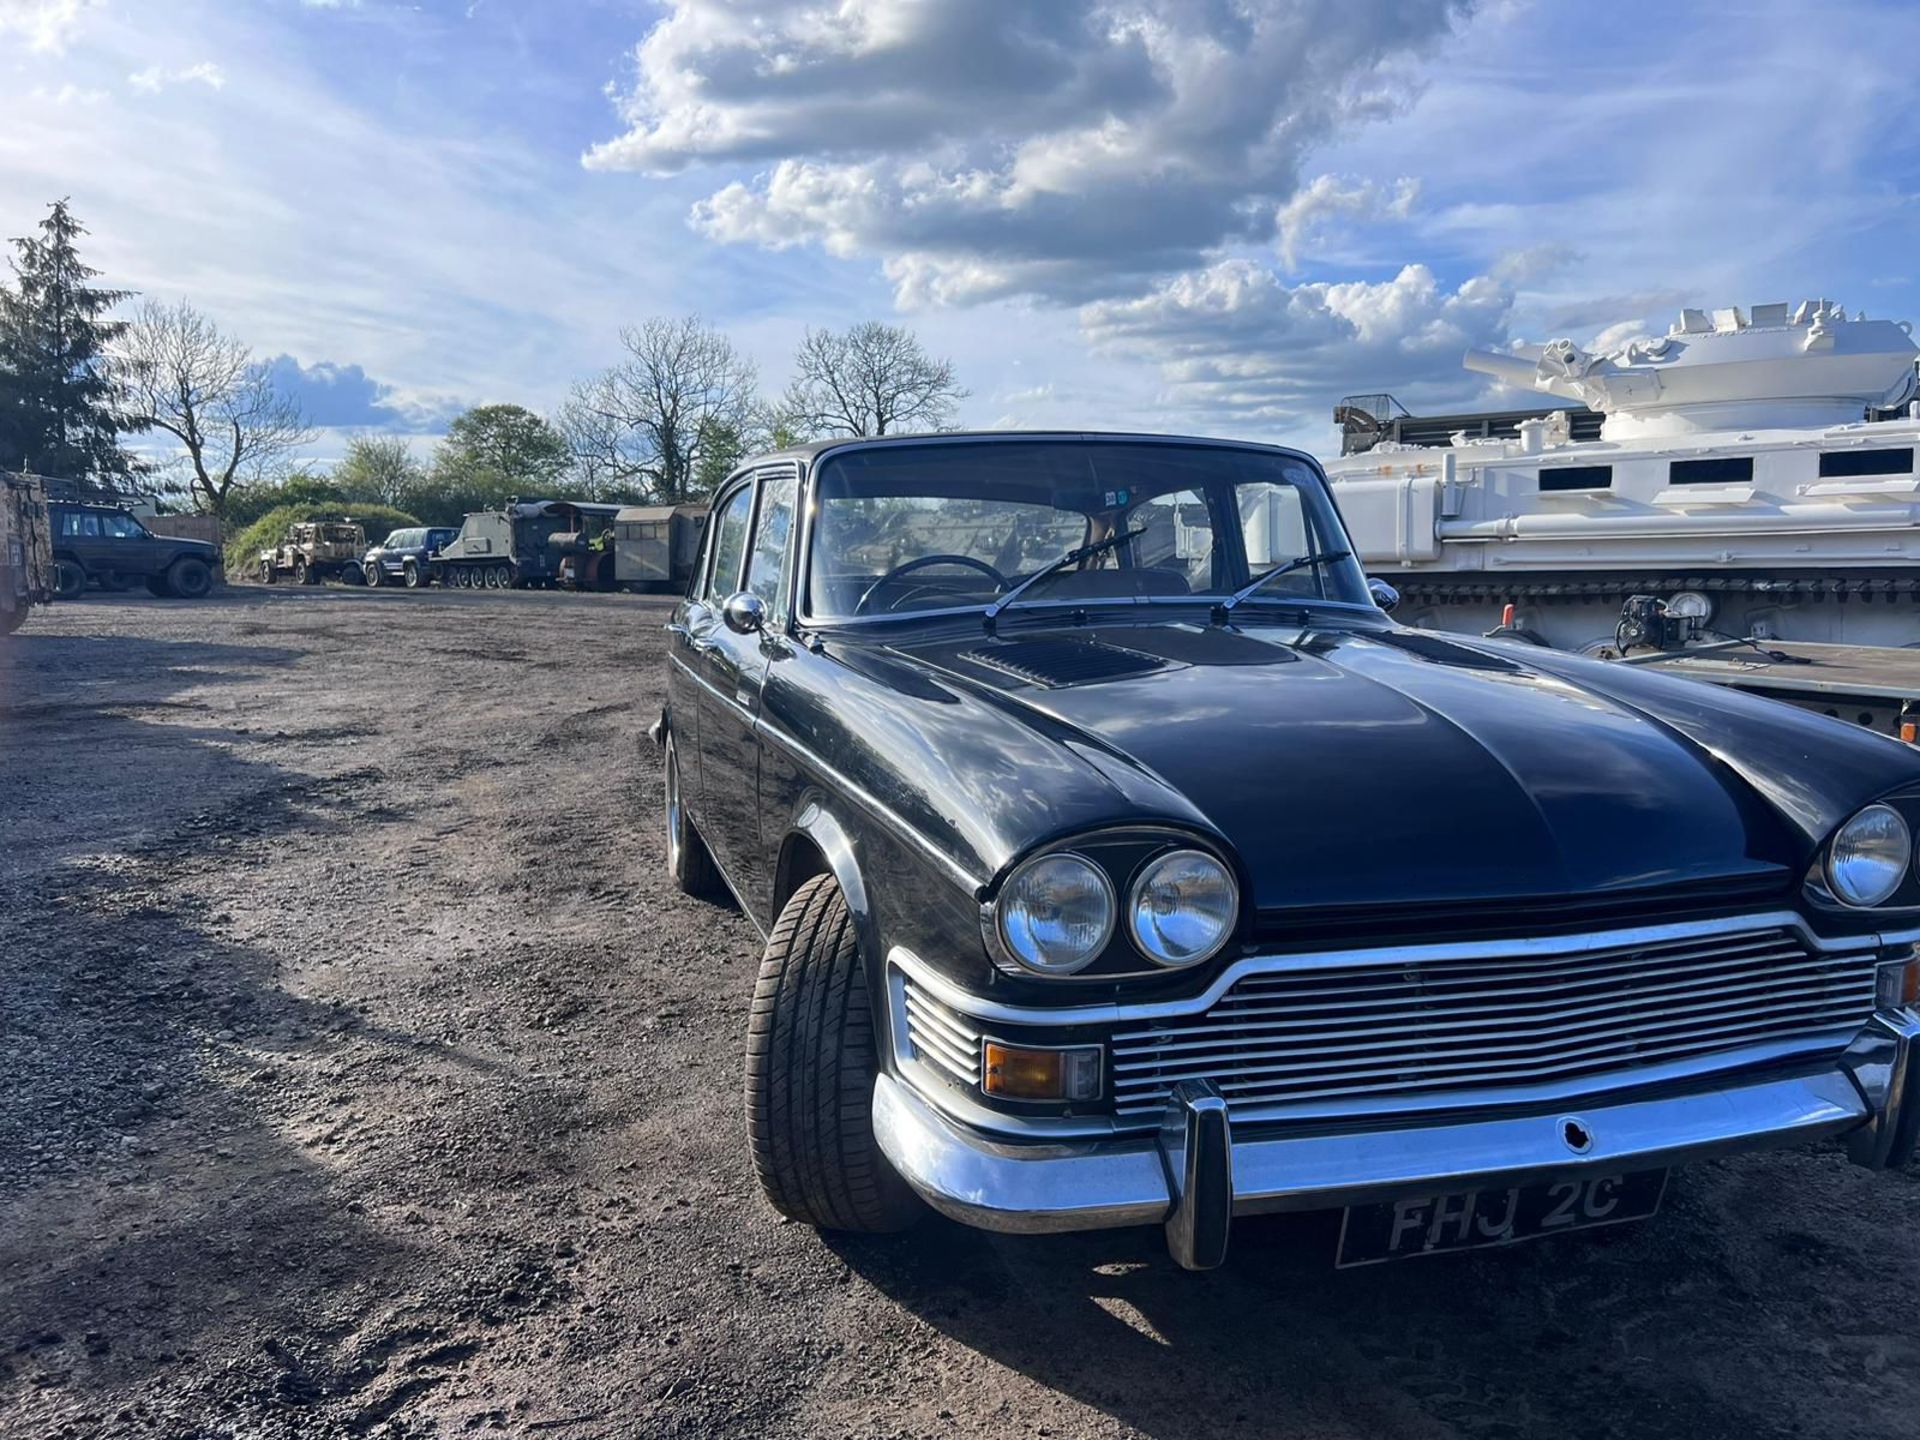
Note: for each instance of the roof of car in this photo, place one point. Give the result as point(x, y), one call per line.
point(813, 449)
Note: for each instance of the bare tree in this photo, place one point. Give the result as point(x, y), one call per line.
point(871, 380)
point(186, 378)
point(661, 415)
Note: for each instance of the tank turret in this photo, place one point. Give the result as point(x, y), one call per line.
point(1724, 370)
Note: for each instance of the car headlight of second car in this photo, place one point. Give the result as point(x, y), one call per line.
point(1869, 856)
point(1182, 908)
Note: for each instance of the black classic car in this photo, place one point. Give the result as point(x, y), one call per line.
point(406, 557)
point(1121, 861)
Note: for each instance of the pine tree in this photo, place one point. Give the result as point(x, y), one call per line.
point(58, 413)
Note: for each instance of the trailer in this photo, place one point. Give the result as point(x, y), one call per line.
point(26, 550)
point(656, 547)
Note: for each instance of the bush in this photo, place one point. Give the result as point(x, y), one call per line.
point(243, 550)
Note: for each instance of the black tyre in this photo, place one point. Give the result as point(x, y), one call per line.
point(688, 859)
point(410, 575)
point(266, 572)
point(158, 588)
point(376, 577)
point(352, 575)
point(68, 579)
point(811, 1063)
point(303, 572)
point(503, 577)
point(189, 577)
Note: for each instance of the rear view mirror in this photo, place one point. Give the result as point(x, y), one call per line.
point(1384, 595)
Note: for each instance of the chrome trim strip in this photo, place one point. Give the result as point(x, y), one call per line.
point(981, 1008)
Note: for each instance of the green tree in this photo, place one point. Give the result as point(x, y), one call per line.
point(58, 394)
point(379, 467)
point(490, 453)
point(722, 444)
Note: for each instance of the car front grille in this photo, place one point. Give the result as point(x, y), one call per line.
point(943, 1038)
point(1337, 1034)
point(1332, 1039)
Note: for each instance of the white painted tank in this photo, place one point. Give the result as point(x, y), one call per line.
point(1736, 459)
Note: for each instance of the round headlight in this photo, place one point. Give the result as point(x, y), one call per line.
point(1182, 908)
point(1056, 913)
point(1870, 855)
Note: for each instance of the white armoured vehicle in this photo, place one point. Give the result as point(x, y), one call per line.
point(1752, 475)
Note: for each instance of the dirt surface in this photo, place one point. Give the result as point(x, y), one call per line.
point(365, 1076)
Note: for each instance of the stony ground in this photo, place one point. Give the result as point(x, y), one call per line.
point(364, 1077)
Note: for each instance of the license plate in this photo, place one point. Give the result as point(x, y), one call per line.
point(1472, 1219)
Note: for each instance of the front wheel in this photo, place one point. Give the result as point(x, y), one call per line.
point(410, 575)
point(266, 572)
point(376, 577)
point(811, 1064)
point(303, 573)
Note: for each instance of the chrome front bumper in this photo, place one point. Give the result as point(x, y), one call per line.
point(1196, 1174)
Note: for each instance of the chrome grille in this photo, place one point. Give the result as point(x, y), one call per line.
point(1327, 1039)
point(942, 1038)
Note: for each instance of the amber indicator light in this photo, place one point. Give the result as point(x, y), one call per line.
point(1015, 1072)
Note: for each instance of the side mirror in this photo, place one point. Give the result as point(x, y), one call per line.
point(1384, 595)
point(745, 613)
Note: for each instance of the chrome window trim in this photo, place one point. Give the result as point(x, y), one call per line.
point(1116, 1013)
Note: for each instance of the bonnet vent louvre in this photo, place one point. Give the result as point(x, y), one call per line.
point(1056, 661)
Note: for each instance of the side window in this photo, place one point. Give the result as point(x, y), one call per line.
point(122, 527)
point(767, 565)
point(729, 544)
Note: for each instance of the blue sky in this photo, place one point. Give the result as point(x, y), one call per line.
point(1212, 215)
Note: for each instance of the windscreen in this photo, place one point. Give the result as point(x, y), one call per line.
point(915, 528)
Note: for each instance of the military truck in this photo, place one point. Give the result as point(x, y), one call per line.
point(529, 543)
point(26, 550)
point(317, 550)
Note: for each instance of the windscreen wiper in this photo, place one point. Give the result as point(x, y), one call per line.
point(1072, 557)
point(1285, 567)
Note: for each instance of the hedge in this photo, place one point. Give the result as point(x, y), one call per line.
point(243, 550)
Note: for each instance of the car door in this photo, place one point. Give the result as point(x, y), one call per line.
point(135, 550)
point(737, 670)
point(691, 635)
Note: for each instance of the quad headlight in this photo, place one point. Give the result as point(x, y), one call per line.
point(1056, 914)
point(1182, 908)
point(1869, 856)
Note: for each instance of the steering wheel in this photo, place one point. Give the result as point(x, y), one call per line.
point(899, 572)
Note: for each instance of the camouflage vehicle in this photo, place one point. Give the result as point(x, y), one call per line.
point(529, 543)
point(26, 550)
point(316, 550)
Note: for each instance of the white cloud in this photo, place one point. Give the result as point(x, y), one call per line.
point(46, 25)
point(1235, 344)
point(1315, 208)
point(157, 77)
point(1065, 149)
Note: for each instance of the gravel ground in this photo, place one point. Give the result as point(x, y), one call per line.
point(365, 1077)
